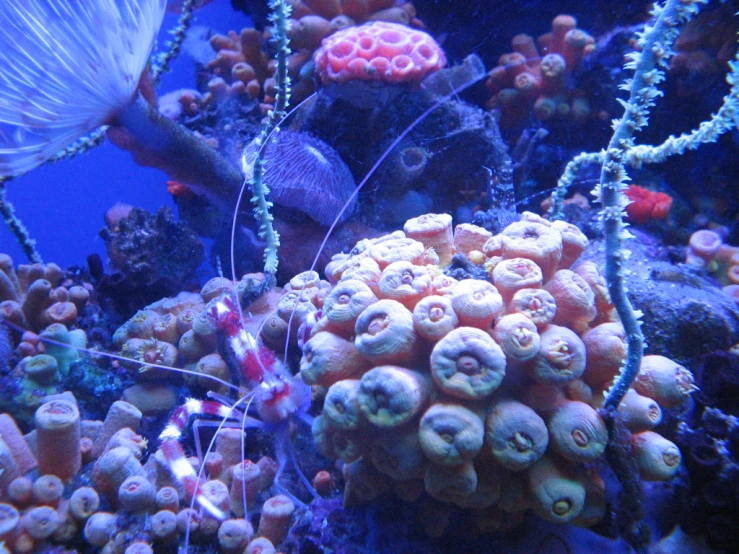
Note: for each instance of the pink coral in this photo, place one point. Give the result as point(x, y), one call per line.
point(378, 51)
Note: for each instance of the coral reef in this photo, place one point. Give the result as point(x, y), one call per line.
point(242, 68)
point(407, 318)
point(490, 377)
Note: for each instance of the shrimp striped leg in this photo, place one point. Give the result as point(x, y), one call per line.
point(175, 454)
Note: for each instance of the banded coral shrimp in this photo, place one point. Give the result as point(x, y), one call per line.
point(278, 398)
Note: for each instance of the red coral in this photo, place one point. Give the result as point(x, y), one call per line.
point(647, 204)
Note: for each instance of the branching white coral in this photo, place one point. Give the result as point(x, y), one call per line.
point(67, 66)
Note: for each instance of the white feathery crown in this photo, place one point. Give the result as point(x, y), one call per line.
point(65, 67)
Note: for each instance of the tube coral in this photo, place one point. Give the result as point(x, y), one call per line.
point(657, 458)
point(516, 435)
point(136, 494)
point(467, 364)
point(58, 436)
point(390, 396)
point(99, 528)
point(384, 332)
point(234, 535)
point(245, 482)
point(401, 458)
point(555, 495)
point(345, 302)
point(450, 434)
point(83, 503)
point(561, 357)
point(433, 317)
point(48, 490)
point(40, 522)
point(476, 303)
point(8, 467)
point(577, 432)
point(277, 513)
point(164, 526)
point(667, 382)
point(328, 358)
point(341, 405)
point(120, 415)
point(405, 282)
point(434, 231)
point(9, 520)
point(516, 334)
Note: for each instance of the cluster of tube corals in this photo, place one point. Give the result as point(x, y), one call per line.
point(538, 78)
point(70, 478)
point(177, 333)
point(707, 250)
point(36, 505)
point(33, 296)
point(480, 392)
point(38, 299)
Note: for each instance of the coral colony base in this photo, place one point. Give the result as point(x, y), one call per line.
point(492, 379)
